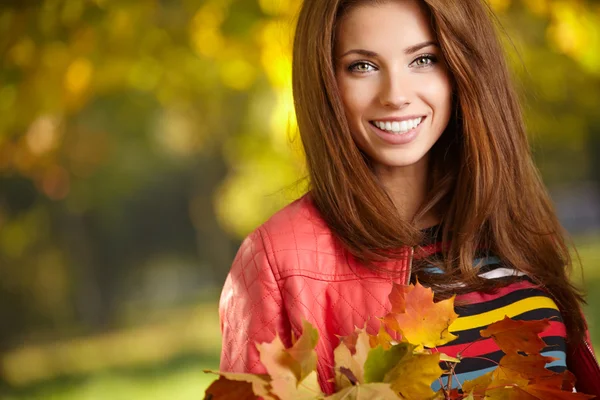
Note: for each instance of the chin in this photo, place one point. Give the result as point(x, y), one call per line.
point(398, 161)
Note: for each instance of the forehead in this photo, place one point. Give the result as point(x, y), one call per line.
point(394, 22)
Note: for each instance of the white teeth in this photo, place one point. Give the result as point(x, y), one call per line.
point(398, 127)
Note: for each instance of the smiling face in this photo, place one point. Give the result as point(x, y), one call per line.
point(393, 81)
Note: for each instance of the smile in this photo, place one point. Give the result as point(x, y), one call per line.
point(398, 127)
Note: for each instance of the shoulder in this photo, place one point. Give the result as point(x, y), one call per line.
point(296, 239)
point(299, 218)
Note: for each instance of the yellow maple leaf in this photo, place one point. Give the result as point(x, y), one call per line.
point(423, 322)
point(412, 377)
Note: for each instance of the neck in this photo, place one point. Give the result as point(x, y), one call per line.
point(407, 187)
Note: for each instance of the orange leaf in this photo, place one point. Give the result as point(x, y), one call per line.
point(424, 323)
point(382, 339)
point(350, 340)
point(552, 386)
point(543, 392)
point(531, 366)
point(514, 336)
point(508, 391)
point(479, 385)
point(397, 296)
point(564, 381)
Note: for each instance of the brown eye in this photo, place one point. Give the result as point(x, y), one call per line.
point(361, 67)
point(424, 61)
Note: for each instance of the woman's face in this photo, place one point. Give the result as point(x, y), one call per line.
point(394, 83)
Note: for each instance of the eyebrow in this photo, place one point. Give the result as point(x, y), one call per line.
point(408, 50)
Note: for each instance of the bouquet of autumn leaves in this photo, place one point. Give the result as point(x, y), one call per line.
point(377, 367)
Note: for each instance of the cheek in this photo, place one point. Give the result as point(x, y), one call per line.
point(354, 97)
point(438, 92)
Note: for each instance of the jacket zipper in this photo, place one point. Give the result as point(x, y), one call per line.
point(410, 262)
point(589, 349)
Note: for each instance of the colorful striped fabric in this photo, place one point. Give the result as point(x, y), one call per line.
point(520, 300)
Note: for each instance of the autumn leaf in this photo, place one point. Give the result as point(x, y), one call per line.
point(382, 339)
point(514, 336)
point(521, 377)
point(369, 391)
point(291, 372)
point(543, 392)
point(380, 361)
point(507, 389)
point(224, 389)
point(513, 373)
point(307, 389)
point(397, 298)
point(412, 377)
point(284, 369)
point(564, 380)
point(447, 358)
point(343, 359)
point(231, 385)
point(554, 387)
point(443, 356)
point(350, 375)
point(423, 322)
point(359, 334)
point(530, 366)
point(279, 364)
point(351, 353)
point(479, 385)
point(303, 351)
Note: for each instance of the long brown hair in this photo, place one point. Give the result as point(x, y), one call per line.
point(483, 182)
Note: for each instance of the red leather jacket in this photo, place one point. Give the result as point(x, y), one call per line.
point(292, 268)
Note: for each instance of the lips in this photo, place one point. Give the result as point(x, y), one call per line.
point(396, 138)
point(398, 127)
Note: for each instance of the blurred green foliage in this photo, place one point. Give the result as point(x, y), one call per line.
point(141, 140)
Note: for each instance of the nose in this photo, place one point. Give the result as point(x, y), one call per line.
point(395, 90)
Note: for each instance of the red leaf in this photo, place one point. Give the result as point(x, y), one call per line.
point(225, 389)
point(397, 296)
point(514, 336)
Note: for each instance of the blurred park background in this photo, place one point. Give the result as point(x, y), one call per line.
point(141, 140)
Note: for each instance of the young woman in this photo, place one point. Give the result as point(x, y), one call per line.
point(420, 169)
